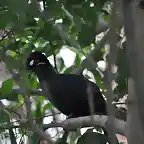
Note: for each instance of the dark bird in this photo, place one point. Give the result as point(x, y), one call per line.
point(67, 92)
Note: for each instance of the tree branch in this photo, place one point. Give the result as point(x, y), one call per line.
point(75, 123)
point(22, 84)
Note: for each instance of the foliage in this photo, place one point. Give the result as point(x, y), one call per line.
point(23, 28)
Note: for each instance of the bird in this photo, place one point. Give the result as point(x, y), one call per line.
point(66, 92)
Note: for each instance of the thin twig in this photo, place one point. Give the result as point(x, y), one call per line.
point(4, 36)
point(55, 64)
point(21, 83)
point(90, 100)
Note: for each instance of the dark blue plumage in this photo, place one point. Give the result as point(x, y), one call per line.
point(68, 92)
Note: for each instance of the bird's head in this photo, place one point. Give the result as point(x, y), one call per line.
point(35, 60)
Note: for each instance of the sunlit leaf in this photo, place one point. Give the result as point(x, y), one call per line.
point(7, 86)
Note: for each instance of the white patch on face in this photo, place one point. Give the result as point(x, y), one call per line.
point(31, 63)
point(41, 63)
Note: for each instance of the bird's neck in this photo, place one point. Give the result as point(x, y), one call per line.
point(45, 73)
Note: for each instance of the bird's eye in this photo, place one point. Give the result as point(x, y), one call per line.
point(31, 63)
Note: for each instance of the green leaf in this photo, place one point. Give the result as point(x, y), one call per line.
point(12, 96)
point(61, 64)
point(98, 79)
point(52, 34)
point(6, 19)
point(16, 6)
point(38, 112)
point(46, 107)
point(122, 72)
point(55, 8)
point(7, 86)
point(20, 99)
point(69, 70)
point(11, 62)
point(3, 117)
point(77, 61)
